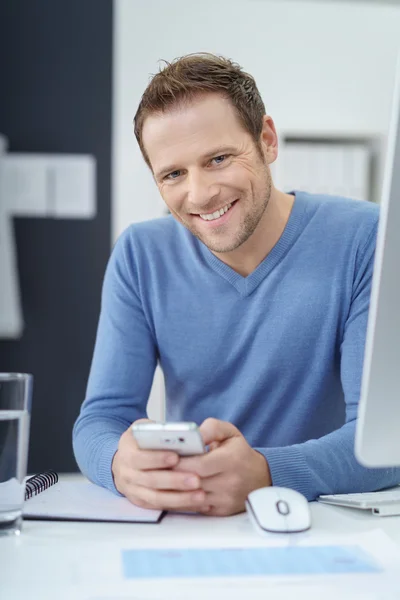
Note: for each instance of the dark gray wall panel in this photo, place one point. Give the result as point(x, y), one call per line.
point(55, 97)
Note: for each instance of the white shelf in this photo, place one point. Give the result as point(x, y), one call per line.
point(333, 163)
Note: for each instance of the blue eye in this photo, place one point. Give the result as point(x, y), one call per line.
point(219, 159)
point(173, 175)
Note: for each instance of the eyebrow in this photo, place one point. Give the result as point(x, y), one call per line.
point(219, 150)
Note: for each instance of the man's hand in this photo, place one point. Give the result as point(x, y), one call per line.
point(146, 478)
point(229, 471)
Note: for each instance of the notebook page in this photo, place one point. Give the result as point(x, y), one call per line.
point(86, 501)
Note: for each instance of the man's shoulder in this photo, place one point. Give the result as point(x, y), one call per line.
point(343, 215)
point(344, 208)
point(157, 232)
point(161, 241)
point(165, 225)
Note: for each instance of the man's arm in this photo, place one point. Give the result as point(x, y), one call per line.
point(328, 465)
point(122, 370)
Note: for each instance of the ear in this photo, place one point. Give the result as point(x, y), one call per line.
point(269, 140)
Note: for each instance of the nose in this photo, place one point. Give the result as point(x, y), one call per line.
point(201, 191)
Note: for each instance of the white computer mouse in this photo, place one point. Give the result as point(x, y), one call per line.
point(278, 510)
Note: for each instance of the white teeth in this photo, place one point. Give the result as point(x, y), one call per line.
point(217, 214)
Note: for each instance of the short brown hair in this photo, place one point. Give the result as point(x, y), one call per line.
point(195, 74)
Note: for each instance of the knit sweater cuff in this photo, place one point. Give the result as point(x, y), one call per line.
point(288, 468)
point(104, 471)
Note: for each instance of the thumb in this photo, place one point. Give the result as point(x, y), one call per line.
point(214, 430)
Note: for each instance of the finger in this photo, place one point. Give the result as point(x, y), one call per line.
point(138, 502)
point(212, 485)
point(166, 500)
point(213, 445)
point(214, 430)
point(154, 459)
point(220, 503)
point(205, 465)
point(215, 511)
point(200, 509)
point(204, 510)
point(167, 480)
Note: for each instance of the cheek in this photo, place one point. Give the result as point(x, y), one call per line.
point(170, 196)
point(240, 176)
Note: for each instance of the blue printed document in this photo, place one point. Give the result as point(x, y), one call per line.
point(246, 562)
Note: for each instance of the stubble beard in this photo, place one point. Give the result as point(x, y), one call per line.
point(247, 227)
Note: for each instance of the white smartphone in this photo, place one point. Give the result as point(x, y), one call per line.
point(183, 438)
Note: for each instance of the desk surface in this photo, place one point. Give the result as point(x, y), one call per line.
point(54, 558)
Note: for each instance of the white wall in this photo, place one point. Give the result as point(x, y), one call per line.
point(326, 66)
point(318, 66)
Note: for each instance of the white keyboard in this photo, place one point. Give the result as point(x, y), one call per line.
point(384, 503)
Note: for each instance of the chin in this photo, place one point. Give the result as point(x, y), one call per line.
point(221, 247)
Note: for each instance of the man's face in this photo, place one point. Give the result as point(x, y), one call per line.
point(204, 162)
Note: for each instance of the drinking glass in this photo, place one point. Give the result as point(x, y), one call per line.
point(15, 412)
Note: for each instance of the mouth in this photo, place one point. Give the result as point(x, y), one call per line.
point(219, 216)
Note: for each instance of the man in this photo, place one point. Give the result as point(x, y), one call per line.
point(253, 301)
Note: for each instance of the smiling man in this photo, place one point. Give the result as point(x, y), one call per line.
point(253, 301)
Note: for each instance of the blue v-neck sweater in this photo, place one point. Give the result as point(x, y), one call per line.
point(278, 353)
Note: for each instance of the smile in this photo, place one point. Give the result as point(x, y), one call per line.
point(217, 214)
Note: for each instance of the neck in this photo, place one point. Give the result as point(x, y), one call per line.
point(245, 259)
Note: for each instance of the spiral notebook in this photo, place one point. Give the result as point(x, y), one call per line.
point(47, 498)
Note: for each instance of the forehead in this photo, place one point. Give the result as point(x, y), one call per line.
point(191, 128)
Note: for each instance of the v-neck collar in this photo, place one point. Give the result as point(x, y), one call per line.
point(246, 285)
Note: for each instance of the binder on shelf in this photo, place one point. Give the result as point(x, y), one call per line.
point(321, 166)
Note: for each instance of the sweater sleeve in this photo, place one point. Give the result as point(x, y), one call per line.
point(328, 465)
point(122, 370)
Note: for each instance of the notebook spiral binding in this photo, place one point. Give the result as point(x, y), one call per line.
point(40, 482)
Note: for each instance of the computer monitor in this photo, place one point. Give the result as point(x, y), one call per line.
point(377, 442)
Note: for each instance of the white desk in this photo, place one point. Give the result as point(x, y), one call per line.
point(57, 560)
